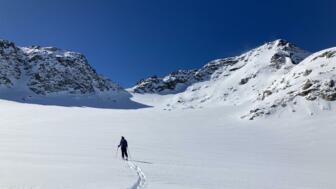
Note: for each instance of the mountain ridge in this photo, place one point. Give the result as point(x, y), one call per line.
point(49, 75)
point(277, 76)
point(179, 80)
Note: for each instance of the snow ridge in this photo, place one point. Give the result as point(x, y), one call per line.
point(241, 82)
point(277, 77)
point(180, 80)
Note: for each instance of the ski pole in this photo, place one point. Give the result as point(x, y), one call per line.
point(129, 154)
point(117, 152)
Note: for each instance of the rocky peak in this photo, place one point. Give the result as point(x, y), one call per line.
point(276, 54)
point(49, 70)
point(172, 83)
point(11, 60)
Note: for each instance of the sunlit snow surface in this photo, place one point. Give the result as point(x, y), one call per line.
point(55, 147)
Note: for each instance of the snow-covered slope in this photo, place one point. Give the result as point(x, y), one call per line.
point(241, 82)
point(309, 86)
point(51, 75)
point(273, 79)
point(276, 54)
point(178, 81)
point(53, 147)
point(62, 147)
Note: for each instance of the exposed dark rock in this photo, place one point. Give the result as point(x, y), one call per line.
point(329, 96)
point(307, 72)
point(244, 81)
point(266, 93)
point(278, 60)
point(327, 54)
point(307, 85)
point(331, 83)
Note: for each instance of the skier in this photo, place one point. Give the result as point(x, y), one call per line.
point(123, 145)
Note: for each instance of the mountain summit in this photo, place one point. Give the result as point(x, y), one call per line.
point(51, 75)
point(279, 51)
point(277, 77)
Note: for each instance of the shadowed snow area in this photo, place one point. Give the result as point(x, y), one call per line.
point(121, 100)
point(57, 147)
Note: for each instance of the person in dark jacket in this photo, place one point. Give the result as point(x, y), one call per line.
point(123, 145)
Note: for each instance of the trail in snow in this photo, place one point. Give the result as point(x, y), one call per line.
point(141, 182)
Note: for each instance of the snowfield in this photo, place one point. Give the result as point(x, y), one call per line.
point(264, 119)
point(55, 147)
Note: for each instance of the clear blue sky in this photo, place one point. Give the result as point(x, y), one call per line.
point(129, 40)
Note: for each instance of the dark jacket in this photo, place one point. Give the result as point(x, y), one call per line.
point(123, 143)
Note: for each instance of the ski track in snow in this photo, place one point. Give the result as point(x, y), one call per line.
point(141, 182)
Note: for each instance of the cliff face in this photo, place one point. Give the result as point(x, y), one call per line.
point(51, 76)
point(48, 70)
